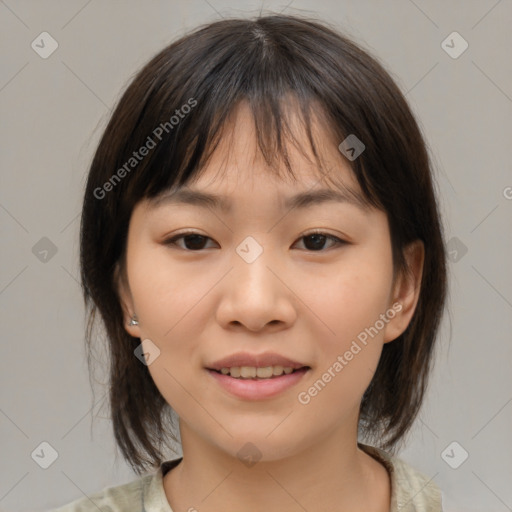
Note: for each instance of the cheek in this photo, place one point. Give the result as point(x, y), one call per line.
point(349, 350)
point(167, 296)
point(348, 300)
point(172, 304)
point(350, 332)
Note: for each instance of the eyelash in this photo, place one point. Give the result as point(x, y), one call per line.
point(172, 241)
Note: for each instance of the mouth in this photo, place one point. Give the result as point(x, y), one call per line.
point(256, 376)
point(244, 382)
point(258, 373)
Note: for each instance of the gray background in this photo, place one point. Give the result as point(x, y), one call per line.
point(53, 111)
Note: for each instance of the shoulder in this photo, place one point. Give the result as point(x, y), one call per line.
point(414, 489)
point(411, 490)
point(127, 498)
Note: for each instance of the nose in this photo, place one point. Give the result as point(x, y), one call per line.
point(256, 293)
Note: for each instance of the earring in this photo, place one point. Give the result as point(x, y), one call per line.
point(133, 321)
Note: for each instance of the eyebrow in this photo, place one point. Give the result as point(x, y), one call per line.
point(302, 200)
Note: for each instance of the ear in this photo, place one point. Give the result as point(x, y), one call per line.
point(406, 291)
point(125, 296)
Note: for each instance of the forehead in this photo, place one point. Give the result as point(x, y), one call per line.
point(237, 165)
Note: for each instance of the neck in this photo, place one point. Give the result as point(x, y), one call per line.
point(333, 474)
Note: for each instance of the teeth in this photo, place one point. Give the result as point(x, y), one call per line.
point(264, 373)
point(250, 372)
point(235, 372)
point(277, 370)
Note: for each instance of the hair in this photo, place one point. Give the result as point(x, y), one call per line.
point(265, 61)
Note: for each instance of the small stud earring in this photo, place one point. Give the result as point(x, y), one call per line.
point(133, 321)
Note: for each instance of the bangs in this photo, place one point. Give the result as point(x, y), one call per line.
point(283, 89)
point(274, 132)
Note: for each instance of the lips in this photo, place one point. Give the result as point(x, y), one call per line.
point(258, 389)
point(235, 374)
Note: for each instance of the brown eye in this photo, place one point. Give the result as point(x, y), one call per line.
point(192, 241)
point(315, 241)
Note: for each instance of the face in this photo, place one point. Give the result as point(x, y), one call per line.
point(310, 285)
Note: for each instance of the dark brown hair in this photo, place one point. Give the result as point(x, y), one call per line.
point(263, 61)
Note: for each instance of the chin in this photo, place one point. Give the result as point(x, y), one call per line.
point(253, 448)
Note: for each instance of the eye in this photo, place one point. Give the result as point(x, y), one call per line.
point(315, 241)
point(193, 241)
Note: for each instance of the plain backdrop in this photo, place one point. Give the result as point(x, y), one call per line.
point(53, 111)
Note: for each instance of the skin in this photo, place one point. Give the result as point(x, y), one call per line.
point(306, 303)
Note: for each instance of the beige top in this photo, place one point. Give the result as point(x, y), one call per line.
point(411, 491)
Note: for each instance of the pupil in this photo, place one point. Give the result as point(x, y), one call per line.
point(196, 239)
point(316, 238)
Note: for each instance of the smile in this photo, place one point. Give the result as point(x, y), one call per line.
point(245, 382)
point(251, 372)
